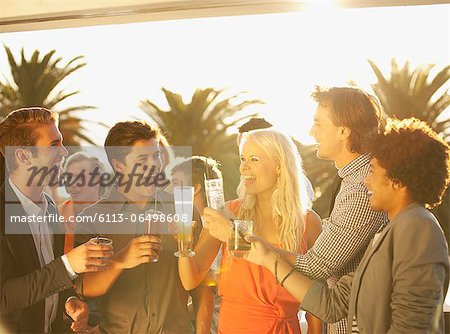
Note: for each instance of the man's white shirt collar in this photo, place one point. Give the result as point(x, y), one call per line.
point(28, 205)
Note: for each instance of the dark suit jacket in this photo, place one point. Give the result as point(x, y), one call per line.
point(24, 284)
point(400, 284)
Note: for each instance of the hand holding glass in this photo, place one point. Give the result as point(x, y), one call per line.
point(101, 241)
point(237, 244)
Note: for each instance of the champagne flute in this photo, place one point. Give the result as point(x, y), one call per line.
point(152, 224)
point(184, 206)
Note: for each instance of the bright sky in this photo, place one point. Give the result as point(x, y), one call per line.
point(277, 58)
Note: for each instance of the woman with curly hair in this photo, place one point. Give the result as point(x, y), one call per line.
point(402, 279)
point(273, 195)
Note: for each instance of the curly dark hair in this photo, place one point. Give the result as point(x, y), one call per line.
point(414, 156)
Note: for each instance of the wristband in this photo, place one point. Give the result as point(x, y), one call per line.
point(284, 279)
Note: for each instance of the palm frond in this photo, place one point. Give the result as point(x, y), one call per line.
point(203, 124)
point(34, 82)
point(411, 92)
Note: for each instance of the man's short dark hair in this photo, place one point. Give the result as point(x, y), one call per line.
point(197, 167)
point(17, 129)
point(254, 124)
point(126, 134)
point(414, 156)
point(352, 108)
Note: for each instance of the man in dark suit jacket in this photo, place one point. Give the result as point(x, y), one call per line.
point(35, 277)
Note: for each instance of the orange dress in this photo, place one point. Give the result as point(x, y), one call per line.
point(252, 302)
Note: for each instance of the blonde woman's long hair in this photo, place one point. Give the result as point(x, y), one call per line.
point(290, 200)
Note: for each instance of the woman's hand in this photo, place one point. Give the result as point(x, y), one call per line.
point(218, 225)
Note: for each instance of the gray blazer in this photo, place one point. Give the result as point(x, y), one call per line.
point(400, 283)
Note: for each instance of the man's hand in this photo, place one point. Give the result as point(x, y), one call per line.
point(261, 252)
point(218, 225)
point(79, 312)
point(143, 249)
point(90, 257)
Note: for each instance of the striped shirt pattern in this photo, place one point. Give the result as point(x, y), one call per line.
point(345, 234)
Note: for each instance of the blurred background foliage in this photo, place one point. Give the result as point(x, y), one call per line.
point(207, 121)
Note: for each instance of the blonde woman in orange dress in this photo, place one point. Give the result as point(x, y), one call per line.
point(271, 194)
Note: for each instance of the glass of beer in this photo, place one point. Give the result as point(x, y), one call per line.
point(237, 244)
point(101, 241)
point(153, 226)
point(184, 206)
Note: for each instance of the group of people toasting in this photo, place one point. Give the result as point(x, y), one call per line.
point(378, 264)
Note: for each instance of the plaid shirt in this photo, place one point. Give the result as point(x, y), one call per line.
point(346, 233)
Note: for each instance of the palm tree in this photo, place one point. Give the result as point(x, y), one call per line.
point(410, 92)
point(203, 124)
point(34, 82)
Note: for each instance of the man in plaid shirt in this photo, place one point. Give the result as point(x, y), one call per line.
point(344, 116)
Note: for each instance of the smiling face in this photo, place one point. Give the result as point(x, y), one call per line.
point(49, 152)
point(179, 178)
point(83, 190)
point(380, 188)
point(138, 162)
point(257, 169)
point(327, 135)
